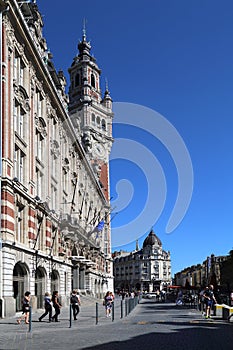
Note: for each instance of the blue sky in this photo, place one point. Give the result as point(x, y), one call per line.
point(176, 58)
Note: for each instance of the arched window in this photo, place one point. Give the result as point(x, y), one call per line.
point(93, 118)
point(103, 123)
point(98, 120)
point(92, 80)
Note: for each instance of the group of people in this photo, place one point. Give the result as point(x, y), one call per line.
point(50, 302)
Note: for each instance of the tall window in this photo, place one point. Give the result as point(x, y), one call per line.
point(40, 232)
point(18, 70)
point(19, 120)
point(93, 80)
point(54, 198)
point(103, 125)
point(41, 140)
point(19, 163)
point(39, 183)
point(19, 224)
point(77, 80)
point(39, 146)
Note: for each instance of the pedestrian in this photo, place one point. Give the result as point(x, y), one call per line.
point(157, 295)
point(209, 300)
point(47, 306)
point(202, 301)
point(163, 295)
point(25, 307)
point(56, 305)
point(179, 300)
point(108, 300)
point(75, 302)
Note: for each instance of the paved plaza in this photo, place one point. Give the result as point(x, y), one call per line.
point(150, 325)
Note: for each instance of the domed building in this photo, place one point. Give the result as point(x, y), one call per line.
point(146, 269)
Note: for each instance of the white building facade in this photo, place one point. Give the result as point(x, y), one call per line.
point(147, 269)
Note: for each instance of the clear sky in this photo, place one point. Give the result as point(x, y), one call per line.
point(175, 58)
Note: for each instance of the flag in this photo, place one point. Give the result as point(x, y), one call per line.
point(99, 228)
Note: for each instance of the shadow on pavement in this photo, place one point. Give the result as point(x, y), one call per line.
point(204, 337)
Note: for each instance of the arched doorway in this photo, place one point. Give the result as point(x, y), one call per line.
point(40, 286)
point(54, 280)
point(20, 283)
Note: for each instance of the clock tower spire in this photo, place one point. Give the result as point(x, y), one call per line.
point(90, 112)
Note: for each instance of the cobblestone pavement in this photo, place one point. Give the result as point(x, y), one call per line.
point(149, 326)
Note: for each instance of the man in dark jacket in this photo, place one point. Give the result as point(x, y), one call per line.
point(75, 302)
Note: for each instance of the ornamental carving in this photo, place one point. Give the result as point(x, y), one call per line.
point(40, 125)
point(55, 148)
point(50, 110)
point(65, 165)
point(21, 97)
point(10, 35)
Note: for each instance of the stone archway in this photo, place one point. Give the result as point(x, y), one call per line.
point(20, 283)
point(54, 281)
point(40, 282)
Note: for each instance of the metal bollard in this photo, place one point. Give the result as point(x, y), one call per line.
point(96, 314)
point(70, 315)
point(30, 319)
point(126, 307)
point(112, 311)
point(121, 308)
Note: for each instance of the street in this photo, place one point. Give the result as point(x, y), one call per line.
point(149, 326)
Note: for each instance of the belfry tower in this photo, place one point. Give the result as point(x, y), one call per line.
point(91, 113)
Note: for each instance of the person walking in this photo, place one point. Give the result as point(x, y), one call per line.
point(75, 302)
point(209, 299)
point(56, 305)
point(108, 300)
point(25, 307)
point(47, 306)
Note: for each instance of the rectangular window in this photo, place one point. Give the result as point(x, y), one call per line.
point(40, 233)
point(39, 182)
point(53, 197)
point(19, 164)
point(18, 70)
point(19, 120)
point(19, 225)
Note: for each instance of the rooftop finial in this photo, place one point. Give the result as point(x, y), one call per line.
point(84, 29)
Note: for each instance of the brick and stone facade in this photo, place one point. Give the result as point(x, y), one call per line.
point(53, 189)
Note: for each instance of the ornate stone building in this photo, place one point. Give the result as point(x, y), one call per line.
point(54, 167)
point(146, 269)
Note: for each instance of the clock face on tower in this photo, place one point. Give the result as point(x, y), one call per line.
point(99, 150)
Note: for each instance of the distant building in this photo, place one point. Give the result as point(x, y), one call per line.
point(146, 269)
point(200, 275)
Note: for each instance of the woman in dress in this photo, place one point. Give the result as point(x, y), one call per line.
point(25, 316)
point(108, 300)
